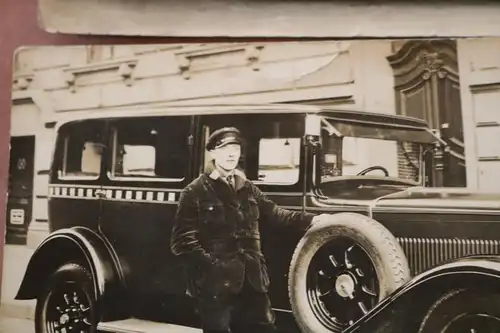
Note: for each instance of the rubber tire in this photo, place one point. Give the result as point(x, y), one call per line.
point(455, 303)
point(70, 272)
point(381, 246)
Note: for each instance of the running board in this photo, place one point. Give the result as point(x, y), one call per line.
point(134, 325)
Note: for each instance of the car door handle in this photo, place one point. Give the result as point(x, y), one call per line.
point(100, 194)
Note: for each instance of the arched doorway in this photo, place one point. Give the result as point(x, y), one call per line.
point(427, 86)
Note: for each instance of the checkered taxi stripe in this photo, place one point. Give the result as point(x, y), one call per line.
point(114, 194)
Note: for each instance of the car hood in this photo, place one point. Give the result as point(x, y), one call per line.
point(440, 198)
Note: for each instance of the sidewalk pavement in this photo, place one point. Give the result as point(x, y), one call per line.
point(15, 261)
point(11, 325)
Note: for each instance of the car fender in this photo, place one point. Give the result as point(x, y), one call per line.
point(406, 307)
point(86, 247)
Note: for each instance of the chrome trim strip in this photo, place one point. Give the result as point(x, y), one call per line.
point(373, 204)
point(71, 198)
point(435, 210)
point(138, 188)
point(144, 201)
point(285, 194)
point(336, 209)
point(348, 205)
point(485, 203)
point(74, 185)
point(282, 310)
point(144, 179)
point(79, 178)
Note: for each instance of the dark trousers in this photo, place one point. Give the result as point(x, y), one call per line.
point(247, 311)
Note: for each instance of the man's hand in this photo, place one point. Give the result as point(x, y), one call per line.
point(320, 218)
point(316, 219)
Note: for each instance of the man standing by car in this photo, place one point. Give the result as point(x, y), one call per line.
point(216, 233)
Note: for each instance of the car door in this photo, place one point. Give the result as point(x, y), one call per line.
point(147, 166)
point(271, 158)
point(77, 174)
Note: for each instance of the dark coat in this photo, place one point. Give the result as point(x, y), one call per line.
point(216, 233)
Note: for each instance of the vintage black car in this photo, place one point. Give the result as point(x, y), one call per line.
point(399, 254)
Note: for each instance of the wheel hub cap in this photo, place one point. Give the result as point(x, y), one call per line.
point(63, 319)
point(67, 312)
point(345, 285)
point(341, 284)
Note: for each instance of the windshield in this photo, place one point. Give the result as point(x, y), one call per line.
point(370, 156)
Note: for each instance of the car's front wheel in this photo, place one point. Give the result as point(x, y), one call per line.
point(67, 303)
point(463, 311)
point(341, 269)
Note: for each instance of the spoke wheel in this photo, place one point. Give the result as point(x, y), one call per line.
point(340, 270)
point(473, 323)
point(67, 304)
point(463, 311)
point(342, 284)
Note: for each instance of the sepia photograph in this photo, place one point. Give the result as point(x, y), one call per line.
point(285, 187)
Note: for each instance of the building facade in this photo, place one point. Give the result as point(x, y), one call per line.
point(450, 84)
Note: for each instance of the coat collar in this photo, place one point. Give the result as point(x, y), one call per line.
point(239, 175)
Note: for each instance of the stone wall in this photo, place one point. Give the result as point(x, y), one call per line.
point(480, 76)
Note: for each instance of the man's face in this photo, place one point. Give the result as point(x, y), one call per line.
point(227, 157)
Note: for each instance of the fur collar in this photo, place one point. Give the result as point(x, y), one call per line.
point(239, 175)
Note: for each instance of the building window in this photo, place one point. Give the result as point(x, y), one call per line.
point(82, 153)
point(150, 149)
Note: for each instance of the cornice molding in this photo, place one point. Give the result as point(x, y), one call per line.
point(123, 68)
point(22, 81)
point(186, 57)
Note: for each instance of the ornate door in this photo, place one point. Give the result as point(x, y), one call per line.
point(427, 87)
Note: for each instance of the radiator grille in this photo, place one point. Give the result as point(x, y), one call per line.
point(426, 253)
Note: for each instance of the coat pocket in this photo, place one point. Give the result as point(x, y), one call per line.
point(264, 273)
point(253, 209)
point(212, 213)
point(258, 274)
point(224, 277)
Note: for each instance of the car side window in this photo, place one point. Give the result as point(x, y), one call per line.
point(145, 149)
point(279, 160)
point(272, 151)
point(82, 152)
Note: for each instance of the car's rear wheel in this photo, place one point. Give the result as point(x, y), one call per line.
point(463, 311)
point(341, 269)
point(67, 303)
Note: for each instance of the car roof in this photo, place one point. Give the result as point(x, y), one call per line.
point(335, 114)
